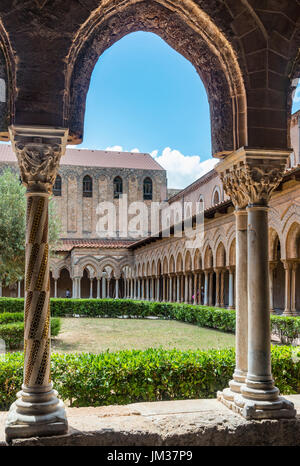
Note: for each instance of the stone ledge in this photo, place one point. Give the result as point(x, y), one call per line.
point(169, 423)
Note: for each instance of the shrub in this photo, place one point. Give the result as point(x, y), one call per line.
point(8, 317)
point(13, 332)
point(153, 375)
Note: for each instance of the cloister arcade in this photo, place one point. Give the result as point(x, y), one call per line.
point(247, 55)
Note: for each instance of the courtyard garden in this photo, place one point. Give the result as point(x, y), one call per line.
point(123, 351)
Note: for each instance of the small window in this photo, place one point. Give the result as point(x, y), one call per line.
point(216, 197)
point(147, 189)
point(57, 186)
point(118, 187)
point(87, 186)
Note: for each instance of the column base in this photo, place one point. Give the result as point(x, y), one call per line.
point(36, 413)
point(280, 408)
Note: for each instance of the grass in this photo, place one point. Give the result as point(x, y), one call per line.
point(96, 335)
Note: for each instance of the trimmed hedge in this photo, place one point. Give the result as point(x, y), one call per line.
point(286, 328)
point(153, 375)
point(12, 329)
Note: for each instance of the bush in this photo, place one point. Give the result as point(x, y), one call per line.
point(153, 375)
point(287, 328)
point(8, 317)
point(12, 332)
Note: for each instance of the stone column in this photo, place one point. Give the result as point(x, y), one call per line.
point(206, 288)
point(152, 288)
point(108, 287)
point(98, 288)
point(288, 269)
point(210, 289)
point(195, 288)
point(117, 288)
point(103, 287)
point(186, 288)
point(217, 272)
point(231, 289)
point(78, 287)
point(293, 288)
point(19, 288)
point(37, 410)
point(55, 287)
point(157, 289)
point(271, 276)
point(222, 289)
point(91, 288)
point(164, 289)
point(178, 289)
point(255, 173)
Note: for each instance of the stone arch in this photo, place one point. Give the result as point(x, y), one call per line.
point(220, 255)
point(216, 196)
point(8, 83)
point(208, 258)
point(165, 265)
point(293, 242)
point(197, 260)
point(187, 261)
point(171, 264)
point(87, 261)
point(179, 262)
point(273, 244)
point(232, 252)
point(186, 28)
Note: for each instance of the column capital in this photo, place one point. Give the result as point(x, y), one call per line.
point(250, 175)
point(38, 150)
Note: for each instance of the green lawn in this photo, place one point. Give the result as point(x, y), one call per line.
point(96, 335)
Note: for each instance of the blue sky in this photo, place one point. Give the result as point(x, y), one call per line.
point(146, 97)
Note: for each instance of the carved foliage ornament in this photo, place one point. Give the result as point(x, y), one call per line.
point(248, 184)
point(38, 165)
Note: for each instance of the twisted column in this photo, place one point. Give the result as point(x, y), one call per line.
point(37, 410)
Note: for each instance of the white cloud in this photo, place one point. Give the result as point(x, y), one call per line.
point(135, 150)
point(182, 170)
point(115, 148)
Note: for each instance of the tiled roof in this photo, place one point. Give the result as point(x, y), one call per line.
point(69, 244)
point(95, 158)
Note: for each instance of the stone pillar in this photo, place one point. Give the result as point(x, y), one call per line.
point(91, 288)
point(19, 288)
point(206, 288)
point(157, 289)
point(254, 174)
point(178, 289)
point(210, 289)
point(98, 288)
point(195, 288)
point(288, 307)
point(117, 288)
point(217, 272)
point(231, 289)
point(170, 288)
point(103, 287)
point(293, 288)
point(186, 288)
point(271, 276)
point(164, 289)
point(152, 288)
point(108, 287)
point(37, 410)
point(55, 287)
point(78, 287)
point(222, 289)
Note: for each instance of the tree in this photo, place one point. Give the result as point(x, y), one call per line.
point(12, 227)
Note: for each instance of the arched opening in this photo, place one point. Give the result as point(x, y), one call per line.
point(64, 283)
point(278, 276)
point(147, 189)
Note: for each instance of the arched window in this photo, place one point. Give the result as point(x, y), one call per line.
point(118, 187)
point(87, 186)
point(57, 186)
point(147, 189)
point(216, 199)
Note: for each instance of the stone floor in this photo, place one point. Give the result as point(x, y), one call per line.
point(177, 423)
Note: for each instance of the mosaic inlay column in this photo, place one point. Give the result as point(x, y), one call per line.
point(37, 411)
point(254, 174)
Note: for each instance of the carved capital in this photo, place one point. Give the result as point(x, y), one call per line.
point(38, 151)
point(250, 175)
